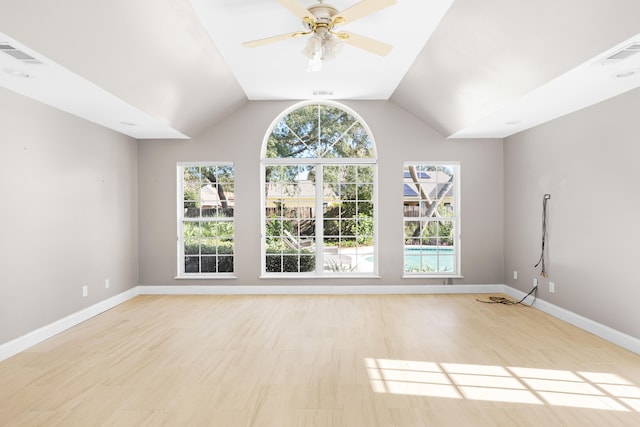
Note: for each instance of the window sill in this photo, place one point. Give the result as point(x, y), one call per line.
point(299, 276)
point(207, 276)
point(432, 276)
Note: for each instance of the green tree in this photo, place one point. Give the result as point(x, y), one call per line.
point(319, 131)
point(432, 207)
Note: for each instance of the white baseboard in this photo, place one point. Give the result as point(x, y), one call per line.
point(598, 329)
point(22, 343)
point(320, 290)
point(37, 336)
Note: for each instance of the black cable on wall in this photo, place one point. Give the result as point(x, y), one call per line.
point(543, 269)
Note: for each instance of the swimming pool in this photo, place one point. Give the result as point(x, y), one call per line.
point(419, 259)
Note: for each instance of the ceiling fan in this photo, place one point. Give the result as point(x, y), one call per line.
point(319, 21)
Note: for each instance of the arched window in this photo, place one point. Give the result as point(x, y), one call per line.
point(319, 193)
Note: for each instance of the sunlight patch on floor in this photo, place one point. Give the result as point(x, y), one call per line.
point(593, 390)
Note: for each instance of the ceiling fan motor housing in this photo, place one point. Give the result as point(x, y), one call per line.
point(323, 14)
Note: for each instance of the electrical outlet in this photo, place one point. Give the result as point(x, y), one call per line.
point(515, 275)
point(106, 283)
point(535, 281)
point(552, 287)
point(85, 290)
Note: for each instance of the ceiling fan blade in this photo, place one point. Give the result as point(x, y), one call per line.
point(366, 43)
point(361, 9)
point(273, 39)
point(299, 10)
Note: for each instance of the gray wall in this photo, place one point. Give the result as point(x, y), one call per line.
point(588, 162)
point(77, 197)
point(68, 217)
point(399, 137)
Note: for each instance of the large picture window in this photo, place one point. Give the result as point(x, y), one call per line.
point(206, 205)
point(319, 176)
point(431, 219)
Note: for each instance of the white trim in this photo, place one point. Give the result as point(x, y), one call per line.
point(37, 336)
point(319, 222)
point(276, 161)
point(314, 276)
point(223, 163)
point(605, 332)
point(204, 276)
point(321, 290)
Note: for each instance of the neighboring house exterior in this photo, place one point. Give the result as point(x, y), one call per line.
point(432, 183)
point(210, 198)
point(301, 194)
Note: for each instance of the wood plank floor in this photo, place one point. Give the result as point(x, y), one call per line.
point(389, 361)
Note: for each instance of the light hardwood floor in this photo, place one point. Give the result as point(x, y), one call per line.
point(432, 360)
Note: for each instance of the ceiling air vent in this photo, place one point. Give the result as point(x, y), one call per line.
point(621, 54)
point(18, 54)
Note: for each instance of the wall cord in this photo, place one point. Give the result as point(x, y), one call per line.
point(543, 270)
point(506, 301)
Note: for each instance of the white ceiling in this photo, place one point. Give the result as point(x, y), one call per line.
point(172, 68)
point(279, 70)
point(593, 81)
point(42, 79)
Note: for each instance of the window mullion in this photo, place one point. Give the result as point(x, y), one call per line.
point(319, 218)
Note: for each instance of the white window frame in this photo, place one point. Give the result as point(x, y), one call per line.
point(319, 230)
point(455, 218)
point(181, 219)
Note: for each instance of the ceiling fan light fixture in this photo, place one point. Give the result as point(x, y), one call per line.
point(320, 48)
point(313, 47)
point(331, 46)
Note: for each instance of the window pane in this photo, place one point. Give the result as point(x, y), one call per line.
point(208, 246)
point(274, 263)
point(331, 173)
point(365, 192)
point(307, 262)
point(445, 233)
point(365, 174)
point(208, 264)
point(319, 131)
point(191, 209)
point(225, 264)
point(225, 232)
point(273, 227)
point(192, 264)
point(365, 208)
point(290, 263)
point(348, 227)
point(348, 191)
point(275, 245)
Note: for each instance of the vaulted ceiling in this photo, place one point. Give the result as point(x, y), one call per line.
point(171, 68)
